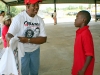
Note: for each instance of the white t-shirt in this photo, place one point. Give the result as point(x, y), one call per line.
point(25, 26)
point(1, 21)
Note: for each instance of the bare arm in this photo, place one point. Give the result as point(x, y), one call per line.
point(8, 37)
point(37, 40)
point(88, 60)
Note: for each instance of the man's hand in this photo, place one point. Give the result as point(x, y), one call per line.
point(22, 39)
point(36, 40)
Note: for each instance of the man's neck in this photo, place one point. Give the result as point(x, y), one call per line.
point(31, 15)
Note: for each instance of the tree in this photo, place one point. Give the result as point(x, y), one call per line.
point(2, 6)
point(13, 9)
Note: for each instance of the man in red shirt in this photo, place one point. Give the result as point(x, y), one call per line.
point(83, 63)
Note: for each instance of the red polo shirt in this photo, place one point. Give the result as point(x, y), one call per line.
point(4, 32)
point(83, 47)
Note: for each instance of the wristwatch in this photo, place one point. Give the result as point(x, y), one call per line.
point(28, 40)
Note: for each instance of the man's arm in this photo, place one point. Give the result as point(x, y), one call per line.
point(8, 37)
point(35, 40)
point(88, 60)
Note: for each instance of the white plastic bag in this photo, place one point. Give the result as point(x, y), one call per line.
point(7, 63)
point(1, 52)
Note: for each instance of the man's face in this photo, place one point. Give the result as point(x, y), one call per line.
point(33, 8)
point(78, 20)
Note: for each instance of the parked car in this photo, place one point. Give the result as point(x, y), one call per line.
point(72, 13)
point(97, 16)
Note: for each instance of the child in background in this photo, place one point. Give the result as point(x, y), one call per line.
point(2, 14)
point(83, 63)
point(7, 22)
point(54, 16)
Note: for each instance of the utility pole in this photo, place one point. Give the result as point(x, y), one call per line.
point(95, 10)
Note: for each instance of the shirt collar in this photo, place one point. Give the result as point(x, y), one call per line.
point(80, 30)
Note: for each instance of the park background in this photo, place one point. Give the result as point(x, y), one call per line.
point(65, 12)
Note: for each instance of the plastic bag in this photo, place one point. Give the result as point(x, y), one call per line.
point(1, 52)
point(7, 63)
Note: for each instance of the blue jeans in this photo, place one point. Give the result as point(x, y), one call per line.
point(30, 63)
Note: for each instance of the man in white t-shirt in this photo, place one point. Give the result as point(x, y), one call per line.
point(24, 26)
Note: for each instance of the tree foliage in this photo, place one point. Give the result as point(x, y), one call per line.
point(13, 9)
point(2, 6)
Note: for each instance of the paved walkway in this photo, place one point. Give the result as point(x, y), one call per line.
point(57, 54)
